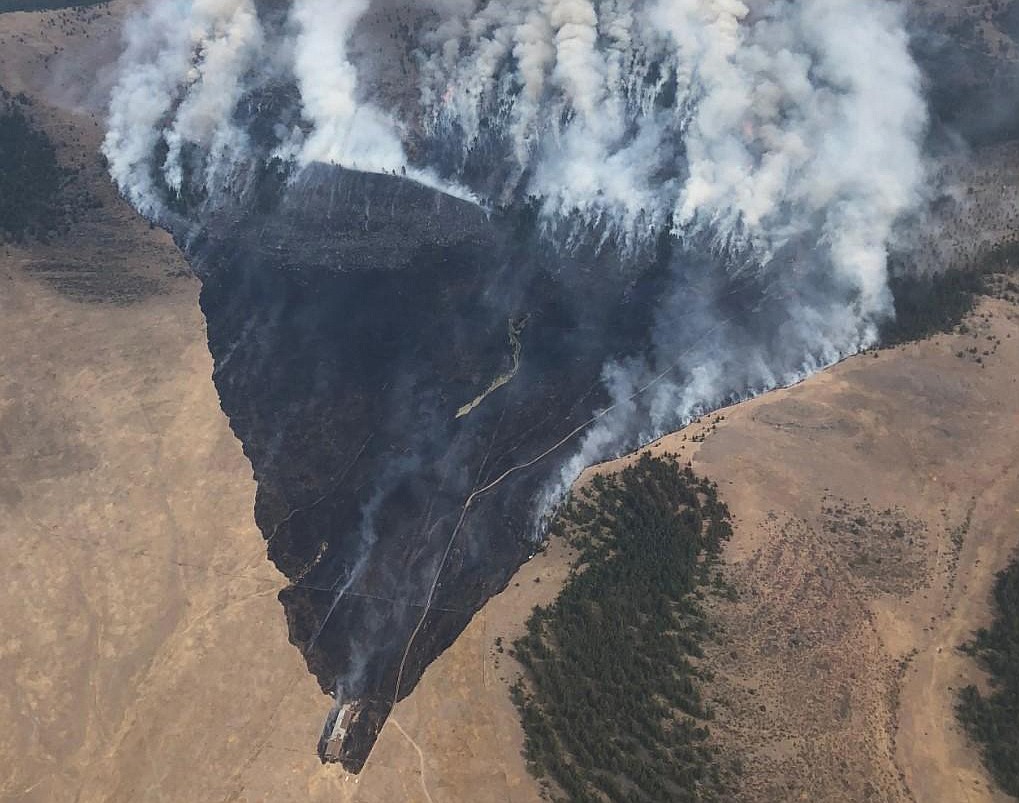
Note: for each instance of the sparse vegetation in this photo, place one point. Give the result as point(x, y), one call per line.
point(610, 699)
point(992, 718)
point(882, 549)
point(45, 5)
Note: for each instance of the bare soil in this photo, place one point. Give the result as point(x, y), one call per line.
point(873, 505)
point(144, 657)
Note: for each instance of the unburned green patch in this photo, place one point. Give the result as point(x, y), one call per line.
point(610, 699)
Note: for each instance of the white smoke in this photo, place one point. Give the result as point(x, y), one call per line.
point(195, 67)
point(798, 120)
point(226, 39)
point(152, 67)
point(787, 133)
point(802, 119)
point(810, 115)
point(346, 130)
point(717, 365)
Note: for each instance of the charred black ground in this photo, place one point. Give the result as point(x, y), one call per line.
point(350, 325)
point(353, 318)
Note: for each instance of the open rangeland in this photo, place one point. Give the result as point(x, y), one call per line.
point(144, 656)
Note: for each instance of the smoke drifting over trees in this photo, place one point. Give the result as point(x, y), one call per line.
point(785, 136)
point(762, 125)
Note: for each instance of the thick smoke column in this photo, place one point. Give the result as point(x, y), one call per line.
point(194, 67)
point(801, 120)
point(763, 127)
point(344, 130)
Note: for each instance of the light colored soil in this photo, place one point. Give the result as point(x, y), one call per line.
point(144, 657)
point(836, 674)
point(143, 653)
point(141, 635)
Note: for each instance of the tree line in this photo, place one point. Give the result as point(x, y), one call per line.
point(929, 304)
point(45, 5)
point(610, 698)
point(992, 718)
point(31, 179)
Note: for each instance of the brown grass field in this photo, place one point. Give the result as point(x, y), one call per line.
point(144, 656)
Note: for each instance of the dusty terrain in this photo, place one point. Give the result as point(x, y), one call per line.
point(873, 505)
point(144, 655)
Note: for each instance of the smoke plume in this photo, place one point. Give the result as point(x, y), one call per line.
point(780, 136)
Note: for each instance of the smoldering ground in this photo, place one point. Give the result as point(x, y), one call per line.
point(687, 200)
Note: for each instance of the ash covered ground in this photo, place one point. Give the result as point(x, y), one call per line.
point(453, 252)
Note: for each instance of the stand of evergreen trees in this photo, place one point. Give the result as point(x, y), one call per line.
point(610, 700)
point(927, 305)
point(992, 719)
point(31, 179)
point(45, 5)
